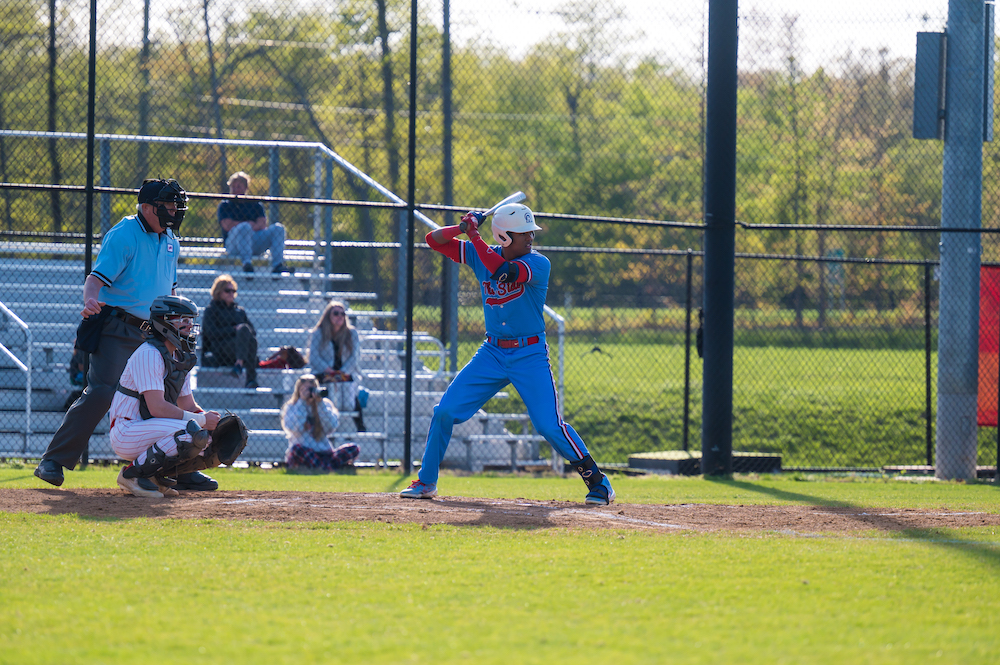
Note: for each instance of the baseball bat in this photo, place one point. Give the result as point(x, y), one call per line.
point(516, 197)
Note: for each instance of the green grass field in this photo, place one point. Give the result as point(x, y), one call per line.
point(116, 591)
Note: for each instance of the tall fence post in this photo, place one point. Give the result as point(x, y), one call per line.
point(687, 350)
point(929, 424)
point(720, 239)
point(89, 222)
point(961, 209)
point(450, 268)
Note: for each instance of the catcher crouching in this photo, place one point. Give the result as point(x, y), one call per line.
point(155, 421)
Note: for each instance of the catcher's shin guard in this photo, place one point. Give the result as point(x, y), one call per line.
point(153, 464)
point(587, 468)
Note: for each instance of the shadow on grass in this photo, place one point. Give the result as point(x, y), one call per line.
point(939, 537)
point(401, 481)
point(15, 479)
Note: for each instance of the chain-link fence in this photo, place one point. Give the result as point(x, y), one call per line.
point(596, 111)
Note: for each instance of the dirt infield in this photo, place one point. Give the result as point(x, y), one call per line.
point(462, 511)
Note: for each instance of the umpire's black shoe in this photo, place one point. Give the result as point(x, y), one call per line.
point(196, 481)
point(50, 471)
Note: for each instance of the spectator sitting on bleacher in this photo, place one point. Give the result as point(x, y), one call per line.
point(228, 337)
point(309, 419)
point(245, 232)
point(335, 359)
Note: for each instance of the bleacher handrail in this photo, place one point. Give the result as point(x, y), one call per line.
point(24, 367)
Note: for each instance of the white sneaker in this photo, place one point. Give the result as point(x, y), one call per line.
point(419, 490)
point(132, 486)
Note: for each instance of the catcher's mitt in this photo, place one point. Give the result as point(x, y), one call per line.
point(229, 438)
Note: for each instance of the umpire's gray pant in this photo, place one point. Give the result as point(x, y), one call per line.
point(118, 341)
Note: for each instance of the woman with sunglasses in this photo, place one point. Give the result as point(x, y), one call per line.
point(335, 358)
point(228, 337)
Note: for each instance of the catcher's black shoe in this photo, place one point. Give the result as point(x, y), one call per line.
point(196, 481)
point(50, 471)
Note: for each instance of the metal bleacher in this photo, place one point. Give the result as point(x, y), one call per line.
point(41, 298)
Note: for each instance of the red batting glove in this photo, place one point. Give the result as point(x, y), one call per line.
point(471, 223)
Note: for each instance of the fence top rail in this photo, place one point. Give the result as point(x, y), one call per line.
point(839, 259)
point(137, 138)
point(179, 140)
point(862, 227)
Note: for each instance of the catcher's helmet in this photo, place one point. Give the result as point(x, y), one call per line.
point(157, 192)
point(512, 218)
point(163, 318)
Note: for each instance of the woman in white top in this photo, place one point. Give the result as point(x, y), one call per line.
point(309, 419)
point(335, 358)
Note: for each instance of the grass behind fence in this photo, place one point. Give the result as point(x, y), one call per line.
point(824, 407)
point(900, 328)
point(848, 394)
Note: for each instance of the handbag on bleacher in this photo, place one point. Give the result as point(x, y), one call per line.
point(287, 357)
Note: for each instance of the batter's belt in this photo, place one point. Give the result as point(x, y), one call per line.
point(513, 342)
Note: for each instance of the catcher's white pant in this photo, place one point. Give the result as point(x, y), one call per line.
point(130, 439)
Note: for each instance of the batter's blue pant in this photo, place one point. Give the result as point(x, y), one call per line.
point(490, 370)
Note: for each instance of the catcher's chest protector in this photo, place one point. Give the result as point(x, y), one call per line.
point(177, 371)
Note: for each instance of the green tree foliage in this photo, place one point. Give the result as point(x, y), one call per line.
point(580, 122)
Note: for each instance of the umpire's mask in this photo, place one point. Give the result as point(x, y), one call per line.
point(158, 192)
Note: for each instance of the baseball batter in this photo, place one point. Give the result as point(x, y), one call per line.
point(514, 280)
point(155, 421)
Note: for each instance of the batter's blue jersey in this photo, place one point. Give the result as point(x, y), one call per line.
point(512, 310)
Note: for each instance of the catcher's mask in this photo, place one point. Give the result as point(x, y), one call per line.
point(158, 192)
point(172, 318)
point(512, 218)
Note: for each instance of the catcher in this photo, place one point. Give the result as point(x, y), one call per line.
point(155, 421)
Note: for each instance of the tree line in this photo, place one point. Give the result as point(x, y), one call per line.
point(580, 128)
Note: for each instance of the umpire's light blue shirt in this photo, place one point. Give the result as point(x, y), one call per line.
point(136, 265)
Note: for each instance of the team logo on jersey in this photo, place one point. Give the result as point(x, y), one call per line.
point(498, 293)
point(170, 248)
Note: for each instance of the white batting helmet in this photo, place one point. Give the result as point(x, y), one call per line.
point(512, 218)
